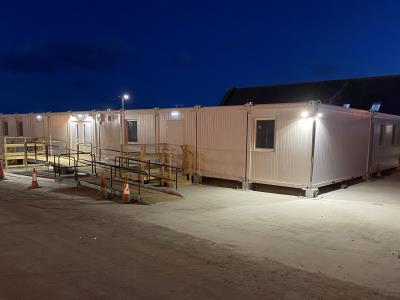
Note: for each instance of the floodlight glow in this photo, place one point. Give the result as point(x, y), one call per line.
point(304, 114)
point(319, 115)
point(175, 113)
point(39, 117)
point(80, 116)
point(125, 96)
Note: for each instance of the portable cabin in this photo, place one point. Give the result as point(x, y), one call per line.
point(301, 145)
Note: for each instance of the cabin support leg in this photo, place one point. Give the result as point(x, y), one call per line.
point(246, 185)
point(197, 179)
point(311, 192)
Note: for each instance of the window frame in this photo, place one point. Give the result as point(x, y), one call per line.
point(20, 126)
point(137, 131)
point(5, 126)
point(255, 135)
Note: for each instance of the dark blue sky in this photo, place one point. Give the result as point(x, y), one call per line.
point(70, 55)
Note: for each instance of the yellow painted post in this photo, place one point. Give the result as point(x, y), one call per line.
point(26, 153)
point(169, 169)
point(190, 165)
point(162, 169)
point(5, 153)
point(184, 159)
point(142, 158)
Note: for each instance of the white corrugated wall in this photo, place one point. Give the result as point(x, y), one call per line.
point(146, 124)
point(385, 155)
point(177, 126)
point(108, 130)
point(59, 126)
point(222, 142)
point(341, 145)
point(289, 163)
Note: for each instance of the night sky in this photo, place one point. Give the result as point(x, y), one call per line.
point(82, 55)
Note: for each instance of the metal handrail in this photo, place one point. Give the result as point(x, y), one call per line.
point(69, 164)
point(113, 169)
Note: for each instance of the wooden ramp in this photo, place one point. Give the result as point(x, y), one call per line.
point(148, 194)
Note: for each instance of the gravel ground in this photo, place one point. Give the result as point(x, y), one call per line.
point(59, 242)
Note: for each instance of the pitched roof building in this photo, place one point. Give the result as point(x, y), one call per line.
point(358, 92)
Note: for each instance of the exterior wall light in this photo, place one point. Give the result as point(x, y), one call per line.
point(39, 117)
point(304, 114)
point(175, 114)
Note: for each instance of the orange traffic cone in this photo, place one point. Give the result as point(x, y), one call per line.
point(102, 189)
point(126, 193)
point(35, 183)
point(378, 170)
point(1, 171)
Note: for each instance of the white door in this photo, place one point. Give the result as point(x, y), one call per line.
point(74, 131)
point(81, 132)
point(86, 132)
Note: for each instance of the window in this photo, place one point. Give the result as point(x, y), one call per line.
point(131, 127)
point(5, 128)
point(381, 135)
point(20, 128)
point(265, 134)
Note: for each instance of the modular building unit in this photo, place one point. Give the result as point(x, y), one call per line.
point(385, 142)
point(302, 145)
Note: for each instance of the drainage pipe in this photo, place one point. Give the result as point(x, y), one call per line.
point(315, 106)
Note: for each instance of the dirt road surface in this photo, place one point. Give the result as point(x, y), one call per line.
point(59, 242)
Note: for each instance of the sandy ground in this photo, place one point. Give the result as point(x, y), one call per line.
point(59, 242)
point(350, 234)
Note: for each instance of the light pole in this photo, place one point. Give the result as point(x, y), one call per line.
point(124, 97)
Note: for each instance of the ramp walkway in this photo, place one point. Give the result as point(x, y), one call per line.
point(150, 180)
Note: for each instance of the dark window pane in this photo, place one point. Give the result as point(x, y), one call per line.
point(265, 134)
point(132, 131)
point(5, 128)
point(20, 128)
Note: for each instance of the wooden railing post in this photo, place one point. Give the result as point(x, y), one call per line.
point(162, 169)
point(169, 169)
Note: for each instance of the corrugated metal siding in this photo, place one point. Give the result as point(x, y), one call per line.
point(185, 122)
point(341, 145)
point(221, 142)
point(59, 127)
point(39, 127)
point(146, 125)
point(12, 124)
point(109, 131)
point(289, 163)
point(386, 155)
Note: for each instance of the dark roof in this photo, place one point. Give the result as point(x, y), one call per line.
point(358, 92)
